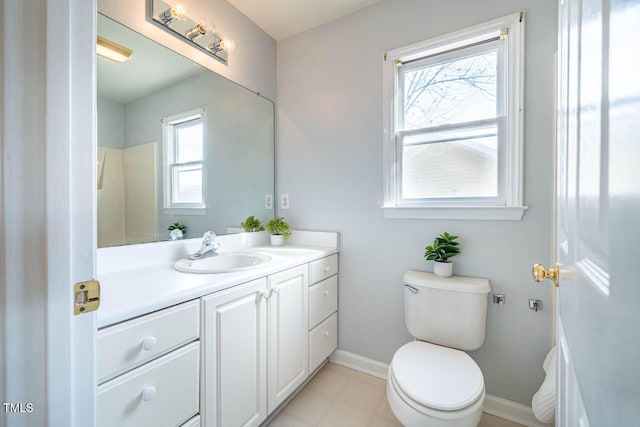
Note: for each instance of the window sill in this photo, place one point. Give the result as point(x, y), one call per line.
point(185, 211)
point(478, 213)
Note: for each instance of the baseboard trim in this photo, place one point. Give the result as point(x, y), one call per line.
point(360, 363)
point(512, 411)
point(494, 405)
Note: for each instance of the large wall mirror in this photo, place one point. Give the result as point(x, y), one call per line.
point(176, 143)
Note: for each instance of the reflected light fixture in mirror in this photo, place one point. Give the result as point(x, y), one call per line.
point(112, 50)
point(201, 33)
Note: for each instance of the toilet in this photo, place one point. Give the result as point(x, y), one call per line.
point(432, 381)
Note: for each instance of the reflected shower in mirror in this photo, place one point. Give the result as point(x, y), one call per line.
point(176, 143)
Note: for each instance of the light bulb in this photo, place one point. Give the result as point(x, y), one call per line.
point(172, 14)
point(196, 32)
point(227, 44)
point(209, 25)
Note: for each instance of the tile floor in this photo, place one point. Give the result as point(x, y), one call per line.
point(341, 397)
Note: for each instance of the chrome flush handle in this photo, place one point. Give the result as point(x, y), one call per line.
point(411, 289)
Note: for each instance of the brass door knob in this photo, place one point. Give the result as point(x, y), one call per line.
point(540, 273)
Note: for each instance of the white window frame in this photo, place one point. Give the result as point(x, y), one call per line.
point(169, 149)
point(509, 203)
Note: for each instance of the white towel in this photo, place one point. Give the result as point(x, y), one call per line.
point(544, 401)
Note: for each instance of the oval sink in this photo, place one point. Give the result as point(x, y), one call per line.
point(222, 263)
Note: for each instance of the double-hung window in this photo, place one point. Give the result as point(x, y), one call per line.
point(453, 125)
point(184, 169)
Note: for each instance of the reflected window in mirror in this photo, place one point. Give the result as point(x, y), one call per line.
point(183, 136)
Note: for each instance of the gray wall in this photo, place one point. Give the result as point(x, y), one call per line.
point(239, 153)
point(329, 159)
point(110, 124)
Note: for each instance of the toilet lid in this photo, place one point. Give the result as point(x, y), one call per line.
point(437, 377)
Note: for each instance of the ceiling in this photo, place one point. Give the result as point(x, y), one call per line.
point(285, 18)
point(151, 67)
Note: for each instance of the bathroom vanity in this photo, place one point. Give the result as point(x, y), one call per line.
point(181, 349)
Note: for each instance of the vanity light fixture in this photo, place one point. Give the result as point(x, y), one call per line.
point(112, 50)
point(200, 33)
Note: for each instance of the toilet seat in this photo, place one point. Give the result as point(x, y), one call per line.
point(432, 378)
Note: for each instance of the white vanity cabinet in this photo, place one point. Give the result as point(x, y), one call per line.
point(288, 320)
point(234, 371)
point(227, 357)
point(245, 328)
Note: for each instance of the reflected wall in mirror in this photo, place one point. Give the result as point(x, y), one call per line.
point(176, 143)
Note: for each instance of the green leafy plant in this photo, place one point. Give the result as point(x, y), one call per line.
point(444, 247)
point(177, 226)
point(279, 226)
point(252, 224)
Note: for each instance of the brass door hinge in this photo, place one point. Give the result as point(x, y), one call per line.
point(86, 297)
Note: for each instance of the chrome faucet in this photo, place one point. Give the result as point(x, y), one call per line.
point(209, 246)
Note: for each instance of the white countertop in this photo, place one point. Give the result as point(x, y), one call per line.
point(132, 292)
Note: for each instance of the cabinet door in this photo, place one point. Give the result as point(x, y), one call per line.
point(234, 369)
point(288, 333)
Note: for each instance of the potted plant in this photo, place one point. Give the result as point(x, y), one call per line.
point(177, 231)
point(279, 230)
point(444, 247)
point(252, 224)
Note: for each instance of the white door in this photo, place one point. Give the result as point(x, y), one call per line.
point(288, 333)
point(234, 391)
point(598, 213)
point(47, 164)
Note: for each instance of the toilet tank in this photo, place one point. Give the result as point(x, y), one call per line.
point(449, 311)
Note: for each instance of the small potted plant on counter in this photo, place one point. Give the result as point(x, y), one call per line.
point(177, 231)
point(252, 224)
point(279, 229)
point(443, 248)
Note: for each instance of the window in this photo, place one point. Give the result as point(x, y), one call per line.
point(453, 125)
point(184, 169)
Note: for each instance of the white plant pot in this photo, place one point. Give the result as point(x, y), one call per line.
point(277, 240)
point(443, 269)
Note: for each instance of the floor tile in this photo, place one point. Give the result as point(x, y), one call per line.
point(384, 411)
point(328, 383)
point(340, 414)
point(369, 379)
point(308, 406)
point(285, 420)
point(359, 395)
point(382, 422)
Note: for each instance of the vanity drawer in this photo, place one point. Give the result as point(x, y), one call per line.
point(164, 392)
point(124, 346)
point(323, 300)
point(323, 268)
point(323, 340)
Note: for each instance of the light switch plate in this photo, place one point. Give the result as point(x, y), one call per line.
point(268, 201)
point(284, 201)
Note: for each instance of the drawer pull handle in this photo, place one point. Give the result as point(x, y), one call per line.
point(276, 290)
point(149, 343)
point(148, 393)
point(327, 268)
point(266, 294)
point(326, 333)
point(326, 292)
